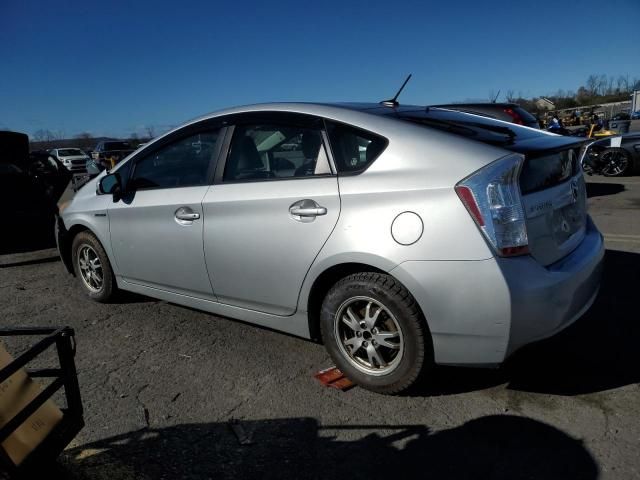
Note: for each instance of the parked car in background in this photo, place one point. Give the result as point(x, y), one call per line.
point(635, 115)
point(621, 116)
point(398, 235)
point(508, 112)
point(73, 159)
point(613, 157)
point(30, 185)
point(109, 152)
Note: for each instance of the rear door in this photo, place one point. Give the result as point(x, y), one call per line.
point(273, 206)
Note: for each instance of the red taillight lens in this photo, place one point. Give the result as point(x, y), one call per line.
point(466, 195)
point(514, 251)
point(515, 115)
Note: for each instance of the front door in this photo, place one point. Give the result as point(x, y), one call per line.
point(269, 213)
point(157, 227)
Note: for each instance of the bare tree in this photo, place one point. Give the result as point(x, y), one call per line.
point(151, 132)
point(85, 140)
point(602, 85)
point(610, 85)
point(623, 83)
point(592, 84)
point(510, 95)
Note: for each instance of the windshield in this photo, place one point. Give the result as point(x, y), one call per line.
point(70, 152)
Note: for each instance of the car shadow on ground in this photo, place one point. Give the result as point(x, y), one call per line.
point(499, 447)
point(31, 261)
point(599, 352)
point(602, 189)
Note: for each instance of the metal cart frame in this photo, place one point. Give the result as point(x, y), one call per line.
point(63, 377)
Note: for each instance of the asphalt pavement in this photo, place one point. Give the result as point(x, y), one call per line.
point(174, 393)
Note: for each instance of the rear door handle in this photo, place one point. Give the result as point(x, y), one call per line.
point(308, 212)
point(186, 216)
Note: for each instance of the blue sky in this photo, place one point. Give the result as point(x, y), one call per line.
point(114, 67)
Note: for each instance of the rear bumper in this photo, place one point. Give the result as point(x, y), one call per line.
point(480, 312)
point(544, 301)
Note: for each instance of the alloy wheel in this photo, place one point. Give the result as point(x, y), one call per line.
point(369, 336)
point(615, 163)
point(90, 268)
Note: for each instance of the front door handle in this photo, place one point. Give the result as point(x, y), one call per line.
point(186, 216)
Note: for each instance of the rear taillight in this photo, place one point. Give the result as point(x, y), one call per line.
point(492, 197)
point(514, 115)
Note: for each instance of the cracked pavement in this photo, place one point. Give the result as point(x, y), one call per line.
point(161, 385)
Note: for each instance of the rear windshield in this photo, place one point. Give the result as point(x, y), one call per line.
point(69, 152)
point(117, 146)
point(547, 170)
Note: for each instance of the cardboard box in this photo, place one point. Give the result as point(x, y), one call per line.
point(15, 393)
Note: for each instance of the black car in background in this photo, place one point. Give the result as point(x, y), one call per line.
point(614, 157)
point(109, 152)
point(30, 186)
point(508, 112)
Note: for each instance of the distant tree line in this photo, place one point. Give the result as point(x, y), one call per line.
point(47, 139)
point(597, 89)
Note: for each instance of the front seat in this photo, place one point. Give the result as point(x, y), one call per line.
point(310, 144)
point(245, 162)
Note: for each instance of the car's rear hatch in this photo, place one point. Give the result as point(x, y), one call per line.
point(554, 197)
point(551, 180)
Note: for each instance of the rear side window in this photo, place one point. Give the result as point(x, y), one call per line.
point(354, 149)
point(267, 151)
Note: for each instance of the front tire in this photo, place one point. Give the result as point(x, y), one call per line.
point(375, 333)
point(92, 267)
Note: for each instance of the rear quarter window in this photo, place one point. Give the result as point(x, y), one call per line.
point(354, 149)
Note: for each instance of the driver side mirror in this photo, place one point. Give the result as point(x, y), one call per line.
point(109, 185)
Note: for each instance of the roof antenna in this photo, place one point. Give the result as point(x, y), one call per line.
point(394, 101)
point(496, 97)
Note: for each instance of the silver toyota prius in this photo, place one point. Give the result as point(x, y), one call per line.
point(399, 236)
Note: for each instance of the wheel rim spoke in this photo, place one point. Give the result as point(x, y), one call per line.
point(355, 343)
point(371, 319)
point(383, 339)
point(351, 321)
point(375, 359)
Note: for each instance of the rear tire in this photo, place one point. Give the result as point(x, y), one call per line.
point(91, 266)
point(375, 333)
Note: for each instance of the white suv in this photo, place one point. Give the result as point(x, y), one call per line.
point(74, 159)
